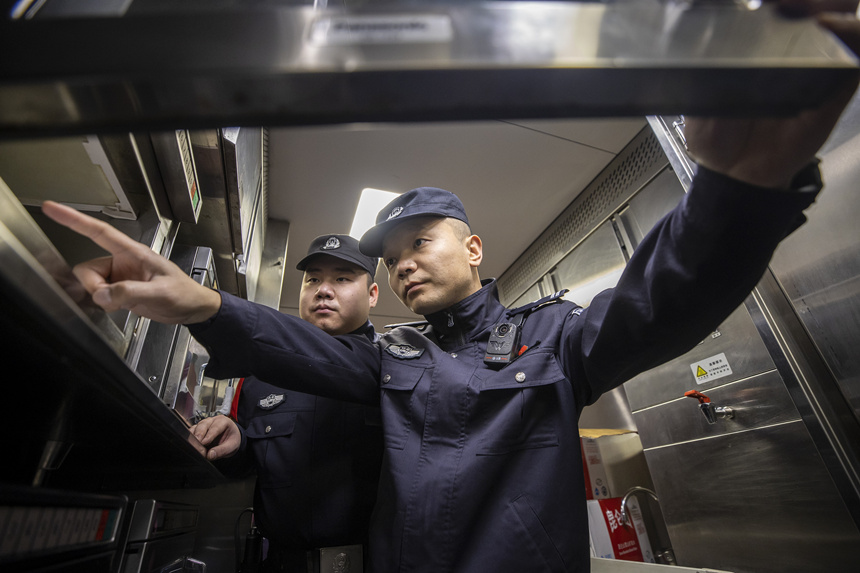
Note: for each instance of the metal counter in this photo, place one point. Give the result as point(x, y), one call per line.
point(270, 65)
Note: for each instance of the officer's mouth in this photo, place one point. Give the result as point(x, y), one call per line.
point(411, 288)
point(324, 310)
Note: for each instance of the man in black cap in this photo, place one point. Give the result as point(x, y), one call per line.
point(482, 468)
point(317, 459)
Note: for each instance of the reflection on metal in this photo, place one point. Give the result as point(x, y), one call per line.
point(271, 278)
point(200, 68)
point(828, 417)
point(818, 272)
point(738, 340)
point(753, 502)
point(757, 401)
point(41, 269)
point(669, 132)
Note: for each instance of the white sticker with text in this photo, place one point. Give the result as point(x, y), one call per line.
point(711, 368)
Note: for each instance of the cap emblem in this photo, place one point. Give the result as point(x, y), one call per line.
point(394, 213)
point(332, 243)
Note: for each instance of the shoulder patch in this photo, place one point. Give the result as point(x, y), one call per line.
point(404, 351)
point(577, 310)
point(418, 324)
point(270, 401)
point(556, 296)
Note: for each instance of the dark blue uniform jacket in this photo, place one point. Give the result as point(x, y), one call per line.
point(482, 469)
point(317, 462)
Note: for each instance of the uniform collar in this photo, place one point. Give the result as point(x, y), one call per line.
point(471, 315)
point(367, 330)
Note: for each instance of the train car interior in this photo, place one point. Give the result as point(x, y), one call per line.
point(227, 134)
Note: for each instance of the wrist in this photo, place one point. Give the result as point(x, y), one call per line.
point(206, 307)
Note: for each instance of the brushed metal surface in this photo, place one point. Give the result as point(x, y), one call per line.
point(274, 65)
point(626, 175)
point(754, 502)
point(738, 339)
point(819, 266)
point(44, 258)
point(761, 400)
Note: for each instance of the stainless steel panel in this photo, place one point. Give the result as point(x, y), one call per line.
point(532, 294)
point(756, 402)
point(178, 173)
point(627, 174)
point(271, 278)
point(754, 502)
point(646, 208)
point(819, 266)
point(46, 270)
point(737, 337)
point(275, 65)
point(610, 411)
point(593, 266)
point(670, 132)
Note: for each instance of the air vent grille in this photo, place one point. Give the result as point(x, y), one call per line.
point(637, 163)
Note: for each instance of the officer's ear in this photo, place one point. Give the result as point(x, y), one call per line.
point(373, 293)
point(476, 250)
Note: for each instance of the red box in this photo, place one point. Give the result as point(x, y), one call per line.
point(610, 538)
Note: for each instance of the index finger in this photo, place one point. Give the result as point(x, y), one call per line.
point(102, 234)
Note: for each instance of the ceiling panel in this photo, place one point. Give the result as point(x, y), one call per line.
point(514, 178)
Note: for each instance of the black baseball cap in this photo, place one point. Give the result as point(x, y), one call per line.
point(340, 246)
point(420, 202)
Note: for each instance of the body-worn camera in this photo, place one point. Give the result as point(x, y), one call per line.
point(503, 344)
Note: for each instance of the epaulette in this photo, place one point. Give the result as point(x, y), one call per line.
point(419, 324)
point(532, 306)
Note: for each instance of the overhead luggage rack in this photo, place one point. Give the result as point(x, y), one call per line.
point(273, 65)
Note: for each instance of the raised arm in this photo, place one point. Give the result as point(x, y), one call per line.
point(133, 277)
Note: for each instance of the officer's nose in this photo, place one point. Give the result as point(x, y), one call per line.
point(405, 267)
point(325, 290)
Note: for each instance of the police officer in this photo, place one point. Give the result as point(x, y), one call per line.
point(317, 459)
point(482, 468)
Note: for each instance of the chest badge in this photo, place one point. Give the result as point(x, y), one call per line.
point(404, 351)
point(271, 401)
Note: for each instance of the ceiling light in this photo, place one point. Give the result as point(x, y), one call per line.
point(371, 201)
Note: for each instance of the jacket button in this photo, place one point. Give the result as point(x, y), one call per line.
point(268, 429)
point(520, 377)
point(453, 355)
point(386, 379)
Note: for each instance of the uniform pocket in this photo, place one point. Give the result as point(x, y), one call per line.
point(538, 535)
point(518, 407)
point(263, 433)
point(398, 401)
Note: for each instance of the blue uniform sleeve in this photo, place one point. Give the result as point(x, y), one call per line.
point(688, 274)
point(245, 339)
point(240, 464)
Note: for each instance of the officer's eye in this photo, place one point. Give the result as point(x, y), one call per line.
point(419, 242)
point(389, 262)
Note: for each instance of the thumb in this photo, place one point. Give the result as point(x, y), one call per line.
point(103, 298)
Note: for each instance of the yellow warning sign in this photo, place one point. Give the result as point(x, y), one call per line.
point(711, 368)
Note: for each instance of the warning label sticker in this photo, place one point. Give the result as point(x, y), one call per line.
point(711, 368)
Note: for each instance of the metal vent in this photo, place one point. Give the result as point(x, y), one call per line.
point(640, 161)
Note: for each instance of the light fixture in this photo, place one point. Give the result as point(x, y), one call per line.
point(369, 204)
